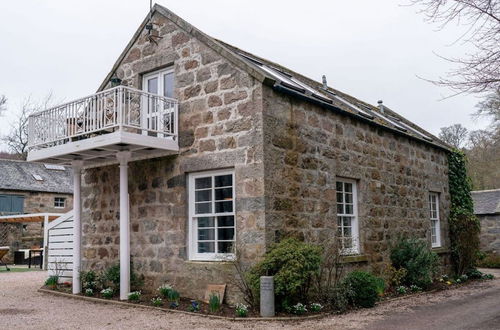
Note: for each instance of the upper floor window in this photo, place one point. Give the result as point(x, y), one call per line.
point(212, 225)
point(435, 221)
point(159, 82)
point(347, 215)
point(59, 202)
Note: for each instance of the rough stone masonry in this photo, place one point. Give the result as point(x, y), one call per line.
point(286, 155)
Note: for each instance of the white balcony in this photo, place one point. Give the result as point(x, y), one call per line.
point(94, 128)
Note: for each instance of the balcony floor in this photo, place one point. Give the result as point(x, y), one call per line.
point(101, 150)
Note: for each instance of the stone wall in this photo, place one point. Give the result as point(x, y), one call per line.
point(307, 147)
point(490, 233)
point(220, 126)
point(26, 235)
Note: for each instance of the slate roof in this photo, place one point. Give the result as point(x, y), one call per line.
point(20, 175)
point(284, 80)
point(486, 201)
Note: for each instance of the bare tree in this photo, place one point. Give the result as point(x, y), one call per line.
point(17, 139)
point(490, 107)
point(483, 154)
point(480, 71)
point(454, 135)
point(3, 102)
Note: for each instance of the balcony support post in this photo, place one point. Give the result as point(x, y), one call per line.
point(124, 157)
point(77, 225)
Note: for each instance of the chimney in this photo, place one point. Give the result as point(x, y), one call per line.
point(381, 106)
point(325, 84)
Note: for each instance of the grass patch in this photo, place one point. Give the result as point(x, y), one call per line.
point(17, 270)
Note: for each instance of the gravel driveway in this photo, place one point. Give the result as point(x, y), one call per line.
point(22, 307)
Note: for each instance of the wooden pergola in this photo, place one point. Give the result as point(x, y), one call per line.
point(33, 217)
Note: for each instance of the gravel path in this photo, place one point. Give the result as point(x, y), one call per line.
point(22, 307)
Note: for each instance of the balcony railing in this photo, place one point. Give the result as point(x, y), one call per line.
point(119, 108)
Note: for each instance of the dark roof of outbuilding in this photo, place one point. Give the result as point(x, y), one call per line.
point(486, 201)
point(21, 175)
point(284, 80)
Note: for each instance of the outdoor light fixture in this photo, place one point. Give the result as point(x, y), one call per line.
point(115, 81)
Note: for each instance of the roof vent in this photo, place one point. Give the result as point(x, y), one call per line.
point(381, 105)
point(325, 84)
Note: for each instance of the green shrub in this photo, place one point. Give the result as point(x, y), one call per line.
point(165, 289)
point(112, 277)
point(157, 301)
point(89, 292)
point(241, 310)
point(365, 286)
point(315, 307)
point(293, 265)
point(489, 261)
point(90, 280)
point(214, 303)
point(418, 260)
point(401, 289)
point(134, 296)
point(340, 297)
point(52, 280)
point(107, 293)
point(173, 295)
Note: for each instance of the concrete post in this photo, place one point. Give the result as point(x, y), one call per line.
point(266, 296)
point(77, 225)
point(123, 157)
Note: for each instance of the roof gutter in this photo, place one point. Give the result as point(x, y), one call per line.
point(288, 91)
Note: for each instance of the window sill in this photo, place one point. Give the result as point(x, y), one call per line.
point(354, 259)
point(440, 250)
point(208, 262)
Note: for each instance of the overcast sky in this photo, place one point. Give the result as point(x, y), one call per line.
point(370, 49)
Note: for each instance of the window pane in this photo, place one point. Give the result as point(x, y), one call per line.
point(206, 247)
point(206, 234)
point(339, 221)
point(340, 198)
point(349, 209)
point(224, 180)
point(168, 85)
point(201, 208)
point(224, 193)
point(225, 234)
point(225, 247)
point(348, 187)
point(223, 207)
point(206, 222)
point(346, 221)
point(226, 221)
point(203, 183)
point(347, 232)
point(153, 85)
point(203, 195)
point(340, 209)
point(348, 198)
point(339, 186)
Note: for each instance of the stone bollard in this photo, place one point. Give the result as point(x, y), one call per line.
point(266, 296)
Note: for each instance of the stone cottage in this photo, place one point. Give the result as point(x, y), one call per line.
point(218, 147)
point(487, 209)
point(28, 188)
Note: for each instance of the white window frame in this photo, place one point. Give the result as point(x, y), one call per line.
point(193, 224)
point(63, 202)
point(355, 249)
point(435, 219)
point(151, 115)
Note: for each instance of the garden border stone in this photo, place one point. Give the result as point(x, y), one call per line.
point(217, 317)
